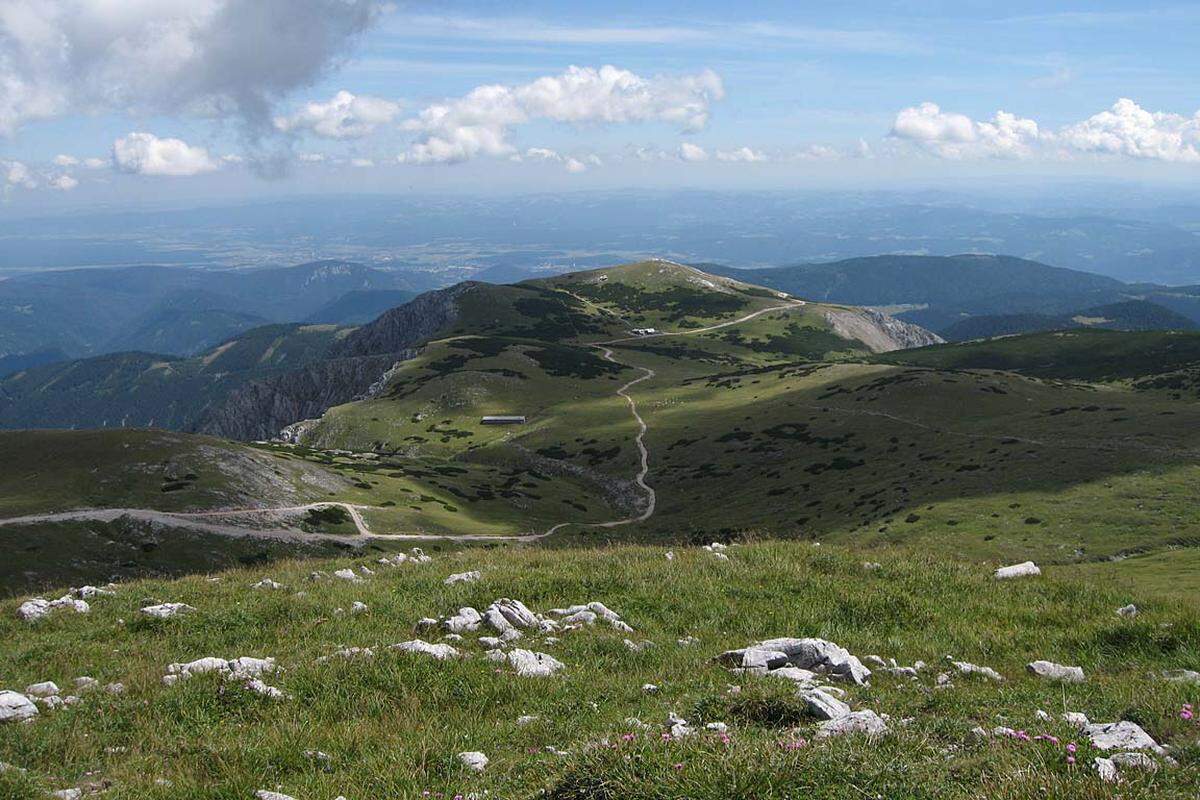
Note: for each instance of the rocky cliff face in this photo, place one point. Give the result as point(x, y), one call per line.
point(878, 331)
point(260, 410)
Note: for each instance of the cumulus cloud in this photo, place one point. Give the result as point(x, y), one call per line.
point(222, 58)
point(743, 154)
point(146, 154)
point(480, 122)
point(345, 116)
point(952, 135)
point(571, 163)
point(1127, 129)
point(64, 183)
point(17, 175)
point(95, 163)
point(64, 160)
point(692, 152)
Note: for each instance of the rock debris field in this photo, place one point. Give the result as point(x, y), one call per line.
point(821, 690)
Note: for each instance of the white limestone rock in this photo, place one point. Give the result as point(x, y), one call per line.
point(1127, 611)
point(347, 575)
point(88, 592)
point(43, 689)
point(1056, 672)
point(1121, 735)
point(864, 722)
point(817, 655)
point(529, 664)
point(463, 577)
point(473, 760)
point(1106, 769)
point(39, 607)
point(440, 651)
point(264, 794)
point(1023, 570)
point(467, 619)
point(824, 706)
point(267, 583)
point(1182, 676)
point(967, 668)
point(16, 707)
point(167, 610)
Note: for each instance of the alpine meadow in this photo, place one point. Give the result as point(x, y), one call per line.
point(674, 402)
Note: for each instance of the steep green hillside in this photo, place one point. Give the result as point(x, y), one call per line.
point(359, 307)
point(149, 390)
point(184, 331)
point(389, 723)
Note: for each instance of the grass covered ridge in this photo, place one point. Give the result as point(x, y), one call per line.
point(392, 725)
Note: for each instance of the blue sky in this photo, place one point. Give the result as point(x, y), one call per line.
point(199, 98)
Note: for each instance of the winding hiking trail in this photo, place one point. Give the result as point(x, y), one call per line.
point(205, 522)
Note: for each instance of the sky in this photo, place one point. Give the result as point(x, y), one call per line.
point(117, 102)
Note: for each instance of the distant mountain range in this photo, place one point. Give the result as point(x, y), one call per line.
point(946, 293)
point(182, 311)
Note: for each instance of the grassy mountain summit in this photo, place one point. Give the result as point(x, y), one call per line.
point(829, 427)
point(644, 712)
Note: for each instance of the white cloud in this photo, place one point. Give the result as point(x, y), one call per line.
point(146, 154)
point(692, 152)
point(952, 135)
point(225, 58)
point(572, 164)
point(361, 162)
point(744, 154)
point(17, 175)
point(345, 116)
point(95, 163)
point(63, 160)
point(480, 122)
point(1127, 129)
point(64, 183)
point(311, 158)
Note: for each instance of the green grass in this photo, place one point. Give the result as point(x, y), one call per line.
point(392, 725)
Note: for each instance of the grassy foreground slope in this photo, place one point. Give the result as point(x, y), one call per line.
point(392, 725)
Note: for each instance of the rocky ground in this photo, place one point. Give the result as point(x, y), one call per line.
point(780, 670)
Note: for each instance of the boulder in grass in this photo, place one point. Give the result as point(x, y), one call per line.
point(16, 707)
point(43, 689)
point(1123, 735)
point(167, 610)
point(473, 760)
point(463, 577)
point(529, 664)
point(264, 794)
point(865, 722)
point(1023, 570)
point(1056, 672)
point(1182, 676)
point(440, 651)
point(817, 655)
point(1127, 611)
point(823, 705)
